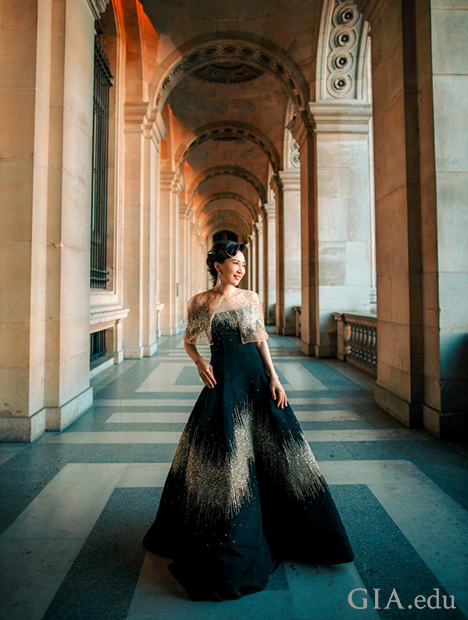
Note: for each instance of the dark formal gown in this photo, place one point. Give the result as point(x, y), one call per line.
point(244, 491)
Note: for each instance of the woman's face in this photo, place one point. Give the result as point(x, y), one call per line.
point(233, 268)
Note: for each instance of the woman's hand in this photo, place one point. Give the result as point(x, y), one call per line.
point(205, 370)
point(278, 393)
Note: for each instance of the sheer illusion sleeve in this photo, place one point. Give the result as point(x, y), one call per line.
point(196, 321)
point(252, 323)
point(261, 332)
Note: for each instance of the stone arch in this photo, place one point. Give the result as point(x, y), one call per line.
point(232, 46)
point(228, 130)
point(227, 210)
point(342, 51)
point(230, 196)
point(291, 154)
point(243, 225)
point(236, 171)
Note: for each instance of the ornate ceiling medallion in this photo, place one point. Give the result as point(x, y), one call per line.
point(230, 72)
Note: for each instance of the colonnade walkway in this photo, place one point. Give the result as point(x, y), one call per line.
point(76, 504)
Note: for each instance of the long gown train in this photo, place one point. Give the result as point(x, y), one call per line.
point(244, 491)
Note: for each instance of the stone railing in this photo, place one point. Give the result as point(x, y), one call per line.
point(357, 340)
point(297, 310)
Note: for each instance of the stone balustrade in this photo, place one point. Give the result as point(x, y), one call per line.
point(297, 310)
point(357, 340)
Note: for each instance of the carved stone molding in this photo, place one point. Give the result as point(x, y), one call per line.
point(270, 210)
point(241, 174)
point(137, 118)
point(228, 72)
point(97, 7)
point(185, 211)
point(230, 196)
point(290, 179)
point(341, 52)
point(235, 132)
point(234, 51)
point(276, 184)
point(291, 151)
point(302, 126)
point(337, 116)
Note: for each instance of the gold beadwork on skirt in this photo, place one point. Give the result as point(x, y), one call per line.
point(216, 482)
point(218, 479)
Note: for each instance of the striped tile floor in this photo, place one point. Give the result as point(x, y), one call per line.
point(76, 504)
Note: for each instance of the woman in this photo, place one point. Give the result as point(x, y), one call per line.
point(244, 491)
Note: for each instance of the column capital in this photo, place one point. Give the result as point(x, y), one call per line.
point(185, 211)
point(178, 182)
point(270, 210)
point(344, 116)
point(153, 126)
point(166, 178)
point(134, 114)
point(276, 184)
point(139, 118)
point(302, 126)
point(290, 179)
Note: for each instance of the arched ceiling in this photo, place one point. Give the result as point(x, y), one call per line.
point(227, 70)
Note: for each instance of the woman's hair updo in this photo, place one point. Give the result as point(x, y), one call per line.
point(219, 252)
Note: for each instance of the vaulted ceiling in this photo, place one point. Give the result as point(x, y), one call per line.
point(226, 73)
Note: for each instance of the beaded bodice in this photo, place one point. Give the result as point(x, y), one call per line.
point(248, 311)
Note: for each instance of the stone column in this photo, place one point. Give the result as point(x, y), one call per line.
point(152, 137)
point(288, 196)
point(409, 314)
point(443, 109)
point(137, 235)
point(253, 261)
point(45, 177)
point(203, 283)
point(269, 233)
point(194, 260)
point(168, 252)
point(304, 136)
point(23, 200)
point(343, 182)
point(184, 258)
point(260, 259)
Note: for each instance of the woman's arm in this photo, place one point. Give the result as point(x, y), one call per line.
point(264, 351)
point(277, 390)
point(205, 369)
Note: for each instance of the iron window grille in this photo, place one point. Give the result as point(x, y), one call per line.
point(102, 84)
